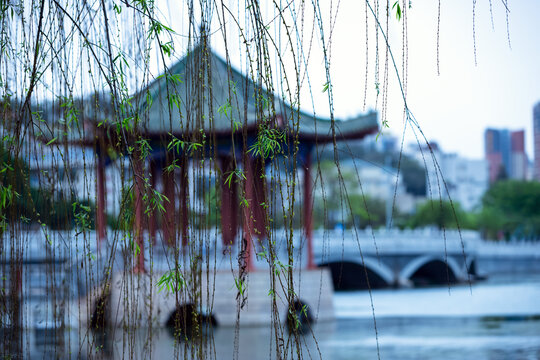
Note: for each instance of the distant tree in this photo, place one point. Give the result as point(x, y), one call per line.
point(442, 214)
point(367, 211)
point(501, 174)
point(331, 206)
point(349, 208)
point(511, 208)
point(28, 204)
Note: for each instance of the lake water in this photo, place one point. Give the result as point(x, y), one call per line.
point(497, 319)
point(494, 319)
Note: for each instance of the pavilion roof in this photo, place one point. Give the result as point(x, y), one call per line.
point(204, 93)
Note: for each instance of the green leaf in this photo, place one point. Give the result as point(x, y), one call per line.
point(167, 48)
point(225, 109)
point(175, 78)
point(325, 86)
point(172, 281)
point(240, 286)
point(398, 10)
point(50, 142)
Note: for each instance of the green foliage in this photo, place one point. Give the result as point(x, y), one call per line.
point(172, 281)
point(225, 109)
point(174, 100)
point(502, 174)
point(71, 113)
point(236, 174)
point(491, 223)
point(180, 145)
point(83, 216)
point(6, 197)
point(367, 211)
point(269, 143)
point(511, 209)
point(326, 86)
point(174, 79)
point(241, 286)
point(154, 201)
point(144, 148)
point(349, 208)
point(384, 125)
point(19, 201)
point(397, 8)
point(443, 215)
point(168, 48)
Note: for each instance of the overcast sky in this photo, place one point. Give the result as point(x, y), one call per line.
point(500, 91)
point(453, 108)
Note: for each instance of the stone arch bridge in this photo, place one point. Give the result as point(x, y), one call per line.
point(396, 258)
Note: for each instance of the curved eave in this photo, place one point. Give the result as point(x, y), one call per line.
point(310, 128)
point(339, 136)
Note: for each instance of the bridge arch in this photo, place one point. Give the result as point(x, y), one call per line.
point(471, 267)
point(430, 269)
point(350, 273)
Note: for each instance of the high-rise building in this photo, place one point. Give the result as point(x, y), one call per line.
point(536, 129)
point(493, 153)
point(518, 160)
point(505, 154)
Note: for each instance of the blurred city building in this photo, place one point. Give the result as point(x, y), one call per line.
point(536, 129)
point(383, 182)
point(451, 176)
point(372, 165)
point(505, 154)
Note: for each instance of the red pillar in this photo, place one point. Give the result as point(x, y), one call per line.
point(229, 202)
point(13, 336)
point(184, 186)
point(152, 221)
point(101, 217)
point(248, 212)
point(169, 231)
point(138, 225)
point(308, 210)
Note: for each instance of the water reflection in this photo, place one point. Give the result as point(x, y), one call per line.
point(398, 338)
point(492, 320)
point(247, 343)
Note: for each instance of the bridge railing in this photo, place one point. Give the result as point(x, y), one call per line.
point(78, 247)
point(393, 241)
